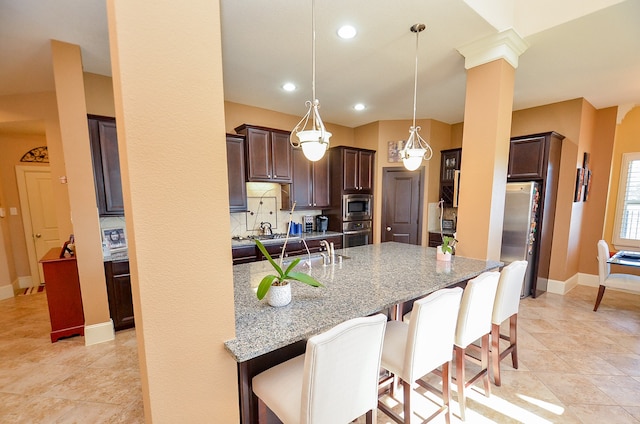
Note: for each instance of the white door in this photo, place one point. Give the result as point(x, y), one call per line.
point(38, 215)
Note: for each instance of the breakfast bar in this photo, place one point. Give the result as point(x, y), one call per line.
point(368, 279)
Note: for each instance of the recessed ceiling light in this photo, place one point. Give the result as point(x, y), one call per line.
point(359, 106)
point(289, 86)
point(347, 32)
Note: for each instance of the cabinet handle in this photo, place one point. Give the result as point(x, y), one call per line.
point(388, 228)
point(38, 235)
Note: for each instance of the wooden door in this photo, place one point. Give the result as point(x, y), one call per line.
point(281, 156)
point(365, 172)
point(236, 173)
point(38, 215)
point(321, 193)
point(401, 205)
point(301, 189)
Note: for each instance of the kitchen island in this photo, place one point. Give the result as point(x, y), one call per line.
point(370, 279)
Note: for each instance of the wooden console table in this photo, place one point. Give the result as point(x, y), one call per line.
point(63, 294)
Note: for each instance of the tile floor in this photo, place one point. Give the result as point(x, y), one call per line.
point(576, 366)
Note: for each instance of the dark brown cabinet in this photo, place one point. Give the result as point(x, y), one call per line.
point(527, 158)
point(106, 165)
point(450, 176)
point(236, 173)
point(268, 154)
point(352, 170)
point(310, 183)
point(119, 294)
point(63, 295)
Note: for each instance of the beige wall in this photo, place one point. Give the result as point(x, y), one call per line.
point(181, 275)
point(98, 91)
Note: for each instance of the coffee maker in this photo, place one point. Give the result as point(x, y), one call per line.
point(322, 223)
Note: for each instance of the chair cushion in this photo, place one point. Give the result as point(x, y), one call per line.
point(623, 281)
point(280, 386)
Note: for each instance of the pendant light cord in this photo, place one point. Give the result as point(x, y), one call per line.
point(313, 60)
point(415, 81)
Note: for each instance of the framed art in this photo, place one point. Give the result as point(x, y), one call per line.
point(115, 238)
point(394, 149)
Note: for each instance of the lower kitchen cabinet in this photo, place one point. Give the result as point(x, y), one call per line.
point(119, 293)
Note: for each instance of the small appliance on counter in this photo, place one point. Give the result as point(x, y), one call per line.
point(307, 223)
point(448, 226)
point(322, 223)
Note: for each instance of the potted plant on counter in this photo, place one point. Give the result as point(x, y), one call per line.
point(277, 286)
point(444, 251)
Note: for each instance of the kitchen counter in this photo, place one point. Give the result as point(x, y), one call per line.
point(117, 256)
point(373, 278)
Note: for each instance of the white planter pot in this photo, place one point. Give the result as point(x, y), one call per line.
point(442, 256)
point(279, 295)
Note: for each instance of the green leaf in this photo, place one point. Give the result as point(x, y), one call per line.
point(304, 278)
point(268, 256)
point(290, 267)
point(265, 285)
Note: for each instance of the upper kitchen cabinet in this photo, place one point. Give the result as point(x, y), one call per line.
point(531, 155)
point(353, 168)
point(236, 173)
point(450, 176)
point(268, 154)
point(310, 185)
point(106, 165)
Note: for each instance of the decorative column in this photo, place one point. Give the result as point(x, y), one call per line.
point(491, 63)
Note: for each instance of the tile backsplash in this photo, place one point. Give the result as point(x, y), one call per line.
point(263, 205)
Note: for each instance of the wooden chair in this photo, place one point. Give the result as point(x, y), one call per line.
point(474, 322)
point(412, 350)
point(335, 381)
point(616, 281)
point(506, 307)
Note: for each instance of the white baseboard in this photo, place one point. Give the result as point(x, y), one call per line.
point(588, 280)
point(24, 282)
point(562, 287)
point(6, 291)
point(99, 333)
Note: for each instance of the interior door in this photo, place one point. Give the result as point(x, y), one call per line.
point(401, 205)
point(38, 214)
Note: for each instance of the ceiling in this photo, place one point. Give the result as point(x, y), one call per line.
point(268, 43)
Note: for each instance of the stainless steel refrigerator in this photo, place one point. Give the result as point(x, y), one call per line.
point(520, 228)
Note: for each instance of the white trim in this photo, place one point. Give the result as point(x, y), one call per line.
point(588, 280)
point(99, 333)
point(562, 287)
point(507, 45)
point(24, 282)
point(6, 291)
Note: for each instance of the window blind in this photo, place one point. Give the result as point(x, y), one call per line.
point(630, 220)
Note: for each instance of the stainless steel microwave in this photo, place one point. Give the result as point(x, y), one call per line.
point(357, 207)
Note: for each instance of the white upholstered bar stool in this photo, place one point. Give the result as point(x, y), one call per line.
point(474, 322)
point(412, 350)
point(334, 382)
point(616, 281)
point(506, 307)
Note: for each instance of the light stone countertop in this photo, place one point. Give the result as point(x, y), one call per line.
point(375, 277)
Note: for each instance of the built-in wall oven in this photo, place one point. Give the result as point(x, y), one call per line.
point(357, 207)
point(356, 233)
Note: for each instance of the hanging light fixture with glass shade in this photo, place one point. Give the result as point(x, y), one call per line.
point(416, 149)
point(311, 135)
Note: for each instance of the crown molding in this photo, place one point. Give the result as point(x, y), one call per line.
point(507, 45)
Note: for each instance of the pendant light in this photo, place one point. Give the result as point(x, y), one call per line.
point(314, 140)
point(416, 148)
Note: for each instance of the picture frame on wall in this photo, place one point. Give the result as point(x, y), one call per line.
point(577, 197)
point(394, 149)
